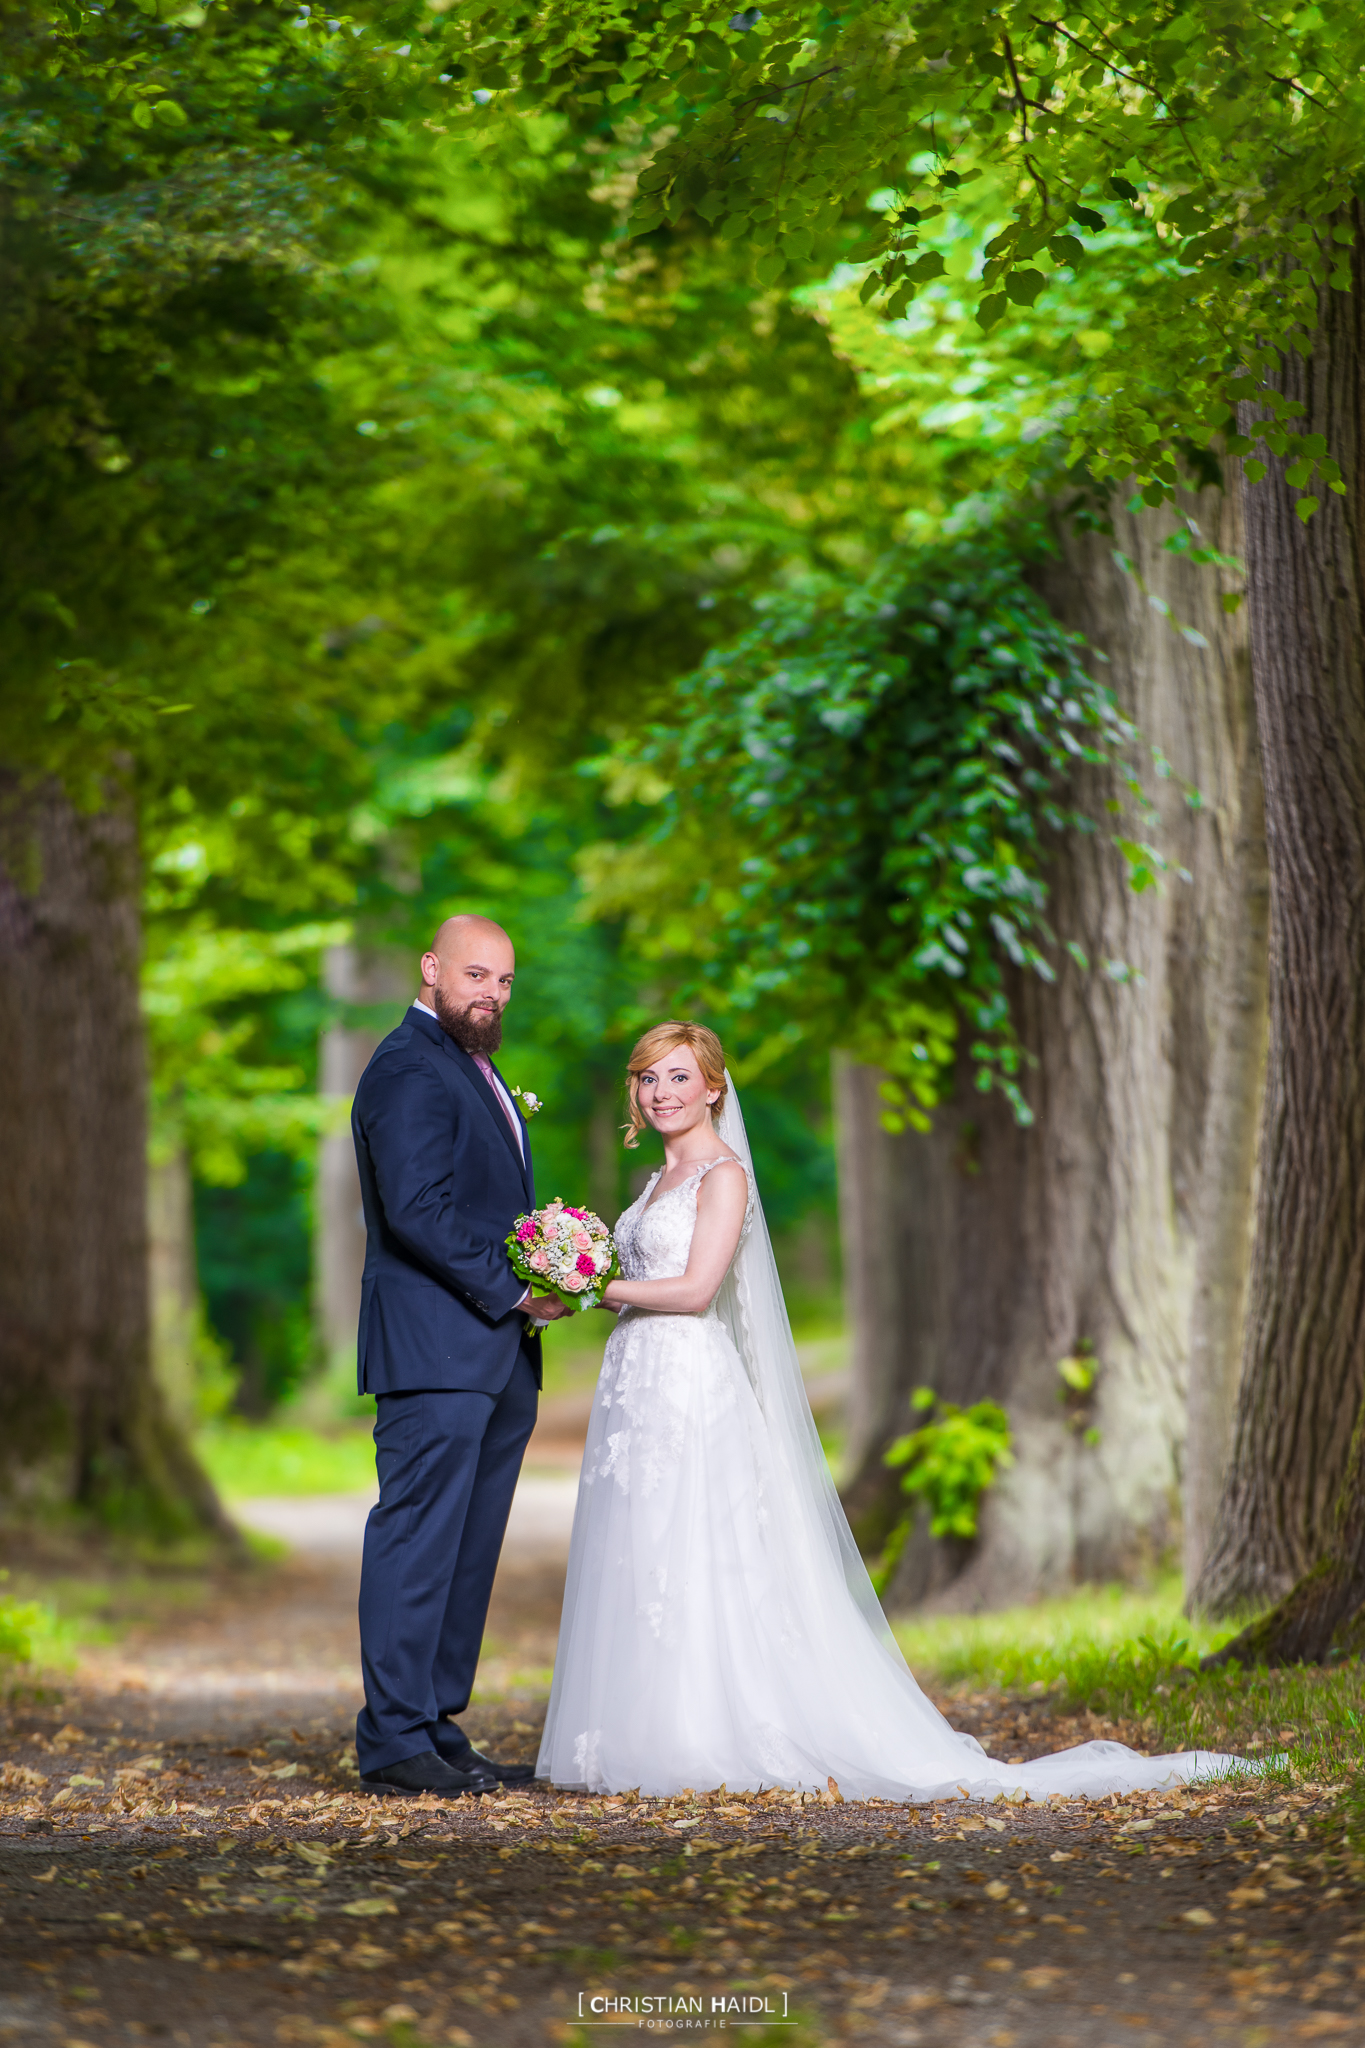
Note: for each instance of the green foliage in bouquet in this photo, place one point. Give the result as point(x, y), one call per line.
point(576, 1253)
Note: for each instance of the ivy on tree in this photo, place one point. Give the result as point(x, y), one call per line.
point(863, 786)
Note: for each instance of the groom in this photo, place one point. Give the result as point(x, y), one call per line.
point(449, 1350)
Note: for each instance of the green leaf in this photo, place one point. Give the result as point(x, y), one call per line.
point(1023, 286)
point(1305, 508)
point(991, 309)
point(1087, 217)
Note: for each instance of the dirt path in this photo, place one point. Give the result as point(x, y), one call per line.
point(195, 1867)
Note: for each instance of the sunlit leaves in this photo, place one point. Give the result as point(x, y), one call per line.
point(1231, 143)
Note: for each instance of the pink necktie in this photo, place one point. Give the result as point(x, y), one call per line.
point(485, 1067)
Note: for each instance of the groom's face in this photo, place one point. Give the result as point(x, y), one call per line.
point(469, 985)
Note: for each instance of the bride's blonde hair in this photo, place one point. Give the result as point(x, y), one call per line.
point(665, 1038)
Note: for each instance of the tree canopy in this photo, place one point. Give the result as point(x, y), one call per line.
point(1226, 143)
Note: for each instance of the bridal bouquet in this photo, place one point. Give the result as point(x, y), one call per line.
point(564, 1251)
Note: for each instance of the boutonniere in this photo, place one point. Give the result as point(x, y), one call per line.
point(529, 1103)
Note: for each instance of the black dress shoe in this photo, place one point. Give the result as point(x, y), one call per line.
point(427, 1772)
point(458, 1750)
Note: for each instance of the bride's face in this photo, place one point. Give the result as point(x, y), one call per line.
point(673, 1094)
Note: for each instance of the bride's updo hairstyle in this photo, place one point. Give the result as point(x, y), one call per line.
point(666, 1038)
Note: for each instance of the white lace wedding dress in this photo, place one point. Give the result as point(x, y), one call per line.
point(719, 1626)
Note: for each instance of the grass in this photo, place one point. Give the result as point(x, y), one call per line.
point(63, 1613)
point(1079, 1644)
point(1133, 1657)
point(247, 1460)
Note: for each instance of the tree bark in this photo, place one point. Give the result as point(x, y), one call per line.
point(1295, 1459)
point(81, 1418)
point(983, 1254)
point(173, 1282)
point(1226, 1213)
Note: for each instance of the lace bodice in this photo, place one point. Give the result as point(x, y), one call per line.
point(654, 1238)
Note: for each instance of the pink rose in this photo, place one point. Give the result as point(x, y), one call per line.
point(539, 1262)
point(581, 1241)
point(584, 1265)
point(575, 1282)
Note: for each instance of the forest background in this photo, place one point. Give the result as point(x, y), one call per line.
point(462, 486)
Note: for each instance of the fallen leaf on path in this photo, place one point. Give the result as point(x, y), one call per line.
point(46, 1876)
point(15, 1776)
point(1198, 1916)
point(1062, 1856)
point(1041, 1979)
point(185, 1955)
point(366, 1909)
point(1247, 1895)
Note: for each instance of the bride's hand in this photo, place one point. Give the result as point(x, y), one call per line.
point(611, 1296)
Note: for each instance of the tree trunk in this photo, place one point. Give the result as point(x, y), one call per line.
point(81, 1417)
point(1288, 1497)
point(982, 1255)
point(173, 1282)
point(1226, 1213)
point(363, 980)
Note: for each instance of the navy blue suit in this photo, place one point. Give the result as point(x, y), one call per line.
point(454, 1371)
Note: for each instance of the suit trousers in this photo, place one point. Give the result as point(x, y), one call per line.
point(448, 1464)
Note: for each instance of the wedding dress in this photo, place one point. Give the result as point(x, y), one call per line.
point(719, 1626)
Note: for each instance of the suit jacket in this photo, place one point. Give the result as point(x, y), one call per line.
point(442, 1184)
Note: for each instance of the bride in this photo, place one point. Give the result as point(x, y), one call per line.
point(719, 1625)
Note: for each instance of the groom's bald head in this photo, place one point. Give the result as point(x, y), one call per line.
point(466, 928)
point(467, 980)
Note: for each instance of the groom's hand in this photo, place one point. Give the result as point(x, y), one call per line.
point(545, 1308)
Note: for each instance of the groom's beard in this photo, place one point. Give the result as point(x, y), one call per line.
point(472, 1030)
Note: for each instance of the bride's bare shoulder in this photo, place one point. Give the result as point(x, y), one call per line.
point(725, 1157)
point(714, 1179)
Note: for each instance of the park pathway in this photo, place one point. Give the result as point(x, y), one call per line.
point(285, 1652)
point(185, 1860)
